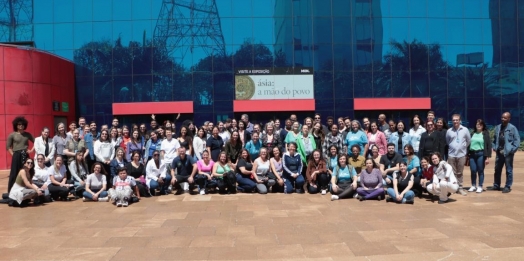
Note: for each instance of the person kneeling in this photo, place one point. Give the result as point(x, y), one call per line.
point(402, 181)
point(122, 191)
point(444, 182)
point(95, 185)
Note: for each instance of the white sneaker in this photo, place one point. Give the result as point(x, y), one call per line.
point(473, 188)
point(103, 199)
point(125, 204)
point(119, 203)
point(202, 192)
point(323, 192)
point(334, 197)
point(355, 195)
point(479, 190)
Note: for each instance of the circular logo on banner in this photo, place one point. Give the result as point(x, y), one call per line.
point(244, 87)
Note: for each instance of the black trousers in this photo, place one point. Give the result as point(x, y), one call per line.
point(16, 166)
point(60, 192)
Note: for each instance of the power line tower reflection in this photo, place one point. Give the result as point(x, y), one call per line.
point(16, 20)
point(183, 27)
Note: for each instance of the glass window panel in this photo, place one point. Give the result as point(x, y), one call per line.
point(436, 31)
point(203, 91)
point(225, 8)
point(103, 31)
point(242, 8)
point(473, 30)
point(457, 84)
point(62, 36)
point(83, 10)
point(227, 31)
point(142, 60)
point(67, 54)
point(452, 52)
point(103, 89)
point(83, 34)
point(418, 29)
point(418, 8)
point(86, 110)
point(323, 56)
point(399, 29)
point(243, 56)
point(142, 10)
point(43, 11)
point(341, 30)
point(419, 84)
point(457, 105)
point(399, 8)
point(321, 105)
point(363, 84)
point(454, 8)
point(344, 107)
point(477, 104)
point(122, 30)
point(122, 61)
point(484, 8)
point(142, 88)
point(473, 8)
point(122, 88)
point(223, 106)
point(323, 85)
point(103, 113)
point(182, 87)
point(400, 84)
point(102, 10)
point(162, 64)
point(322, 30)
point(222, 63)
point(263, 57)
point(121, 11)
point(382, 83)
point(283, 55)
point(242, 30)
point(263, 30)
point(223, 84)
point(343, 58)
point(436, 9)
point(84, 89)
point(341, 8)
point(487, 35)
point(141, 29)
point(63, 11)
point(44, 36)
point(263, 8)
point(455, 31)
point(321, 8)
point(343, 85)
point(162, 87)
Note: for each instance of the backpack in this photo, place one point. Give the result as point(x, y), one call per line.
point(231, 181)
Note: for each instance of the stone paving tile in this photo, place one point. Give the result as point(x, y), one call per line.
point(486, 226)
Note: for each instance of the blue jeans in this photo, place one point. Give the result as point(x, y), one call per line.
point(289, 181)
point(410, 195)
point(476, 165)
point(500, 161)
point(89, 196)
point(153, 184)
point(245, 183)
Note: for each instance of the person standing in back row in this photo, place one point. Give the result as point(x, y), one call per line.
point(505, 143)
point(458, 140)
point(18, 147)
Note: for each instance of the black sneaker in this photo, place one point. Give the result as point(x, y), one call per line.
point(493, 188)
point(389, 199)
point(410, 202)
point(506, 190)
point(379, 198)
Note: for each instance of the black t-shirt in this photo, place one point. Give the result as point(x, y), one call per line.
point(135, 172)
point(183, 167)
point(502, 141)
point(245, 164)
point(390, 161)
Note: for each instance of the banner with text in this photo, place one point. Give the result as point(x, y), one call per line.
point(274, 83)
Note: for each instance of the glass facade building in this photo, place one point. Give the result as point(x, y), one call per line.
point(463, 54)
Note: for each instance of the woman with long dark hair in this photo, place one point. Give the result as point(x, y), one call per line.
point(344, 179)
point(370, 182)
point(96, 184)
point(104, 150)
point(60, 140)
point(79, 171)
point(45, 146)
point(59, 187)
point(479, 153)
point(153, 144)
point(23, 189)
point(18, 147)
point(133, 145)
point(186, 141)
point(317, 175)
point(402, 183)
point(199, 143)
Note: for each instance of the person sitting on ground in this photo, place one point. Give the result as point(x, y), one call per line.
point(95, 185)
point(156, 175)
point(344, 179)
point(402, 183)
point(41, 177)
point(59, 187)
point(370, 182)
point(23, 190)
point(122, 191)
point(79, 172)
point(261, 167)
point(317, 174)
point(444, 182)
point(205, 167)
point(292, 165)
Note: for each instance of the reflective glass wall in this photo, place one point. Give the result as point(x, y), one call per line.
point(464, 54)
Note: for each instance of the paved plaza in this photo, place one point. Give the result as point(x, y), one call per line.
point(487, 226)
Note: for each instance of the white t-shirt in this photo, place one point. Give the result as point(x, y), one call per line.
point(95, 182)
point(170, 149)
point(119, 184)
point(41, 175)
point(59, 175)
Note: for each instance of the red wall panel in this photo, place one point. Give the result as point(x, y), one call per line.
point(41, 67)
point(33, 80)
point(19, 98)
point(20, 64)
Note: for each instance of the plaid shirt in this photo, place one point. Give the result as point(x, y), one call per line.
point(338, 141)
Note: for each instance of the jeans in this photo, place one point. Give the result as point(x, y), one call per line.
point(476, 165)
point(409, 195)
point(245, 183)
point(500, 161)
point(153, 184)
point(385, 183)
point(264, 187)
point(458, 168)
point(89, 196)
point(289, 181)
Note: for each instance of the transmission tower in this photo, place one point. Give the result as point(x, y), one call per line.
point(184, 26)
point(16, 20)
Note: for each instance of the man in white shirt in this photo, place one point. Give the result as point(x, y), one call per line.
point(458, 139)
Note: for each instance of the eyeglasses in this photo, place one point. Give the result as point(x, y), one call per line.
point(155, 155)
point(29, 162)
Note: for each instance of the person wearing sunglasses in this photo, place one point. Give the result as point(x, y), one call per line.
point(156, 176)
point(23, 190)
point(18, 147)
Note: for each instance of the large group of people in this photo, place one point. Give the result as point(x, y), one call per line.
point(380, 159)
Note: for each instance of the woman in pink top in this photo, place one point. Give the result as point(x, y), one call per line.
point(377, 138)
point(205, 168)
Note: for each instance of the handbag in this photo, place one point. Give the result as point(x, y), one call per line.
point(467, 161)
